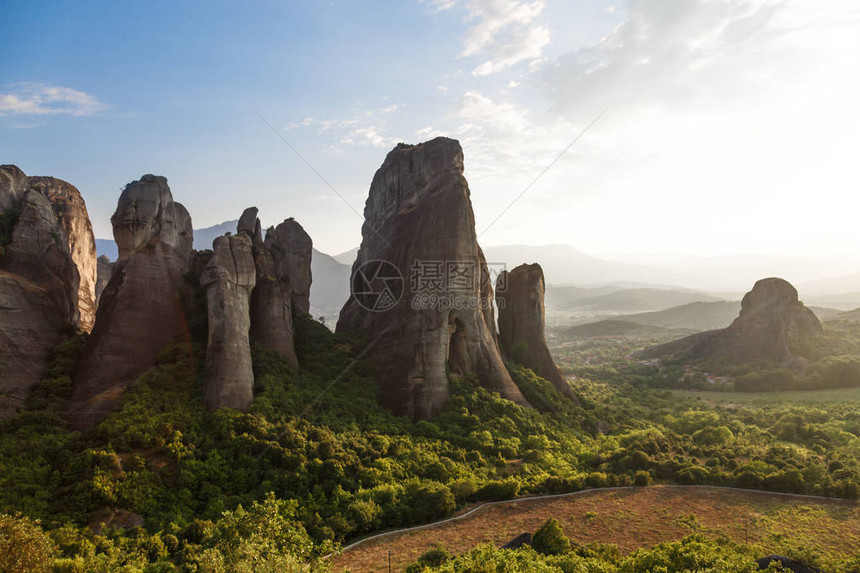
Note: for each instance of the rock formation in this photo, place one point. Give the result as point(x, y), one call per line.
point(71, 212)
point(522, 319)
point(771, 318)
point(249, 223)
point(291, 249)
point(140, 310)
point(419, 210)
point(13, 184)
point(104, 270)
point(229, 279)
point(39, 285)
point(271, 299)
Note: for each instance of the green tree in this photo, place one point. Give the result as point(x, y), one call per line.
point(550, 539)
point(24, 547)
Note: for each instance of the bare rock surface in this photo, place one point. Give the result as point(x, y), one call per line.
point(271, 300)
point(39, 284)
point(140, 310)
point(71, 212)
point(104, 270)
point(292, 248)
point(13, 184)
point(522, 321)
point(771, 318)
point(419, 209)
point(229, 279)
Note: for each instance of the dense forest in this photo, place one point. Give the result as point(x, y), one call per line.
point(316, 461)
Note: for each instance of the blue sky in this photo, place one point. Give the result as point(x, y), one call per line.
point(731, 126)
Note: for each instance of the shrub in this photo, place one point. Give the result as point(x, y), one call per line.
point(550, 539)
point(24, 547)
point(498, 490)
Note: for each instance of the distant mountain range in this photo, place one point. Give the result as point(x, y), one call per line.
point(330, 287)
point(580, 282)
point(613, 328)
point(620, 299)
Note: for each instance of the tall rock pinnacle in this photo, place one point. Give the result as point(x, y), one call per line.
point(39, 285)
point(228, 279)
point(419, 229)
point(140, 310)
point(71, 213)
point(291, 249)
point(272, 297)
point(522, 320)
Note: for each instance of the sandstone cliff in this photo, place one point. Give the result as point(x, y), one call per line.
point(71, 212)
point(272, 297)
point(419, 209)
point(291, 248)
point(140, 310)
point(522, 320)
point(39, 285)
point(229, 279)
point(771, 318)
point(104, 270)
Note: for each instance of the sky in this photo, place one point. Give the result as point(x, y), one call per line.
point(705, 128)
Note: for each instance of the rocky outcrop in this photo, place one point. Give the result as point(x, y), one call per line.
point(771, 318)
point(419, 210)
point(38, 286)
point(785, 564)
point(104, 270)
point(271, 299)
point(249, 223)
point(13, 184)
point(522, 320)
point(229, 279)
point(140, 309)
point(291, 248)
point(71, 213)
point(518, 541)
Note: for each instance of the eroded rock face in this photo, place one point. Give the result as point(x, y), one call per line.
point(291, 248)
point(271, 299)
point(419, 209)
point(71, 212)
point(522, 320)
point(771, 318)
point(229, 279)
point(104, 271)
point(13, 184)
point(140, 310)
point(248, 222)
point(38, 286)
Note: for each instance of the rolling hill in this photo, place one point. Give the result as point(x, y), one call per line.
point(617, 299)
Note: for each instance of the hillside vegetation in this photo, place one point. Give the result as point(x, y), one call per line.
point(339, 466)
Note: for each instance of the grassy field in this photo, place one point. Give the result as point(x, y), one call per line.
point(836, 395)
point(632, 518)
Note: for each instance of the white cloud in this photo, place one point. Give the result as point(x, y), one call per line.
point(40, 99)
point(731, 127)
point(440, 5)
point(693, 53)
point(504, 32)
point(365, 128)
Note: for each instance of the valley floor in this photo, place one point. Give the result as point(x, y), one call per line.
point(630, 518)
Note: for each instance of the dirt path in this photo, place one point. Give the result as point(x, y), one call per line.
point(628, 517)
